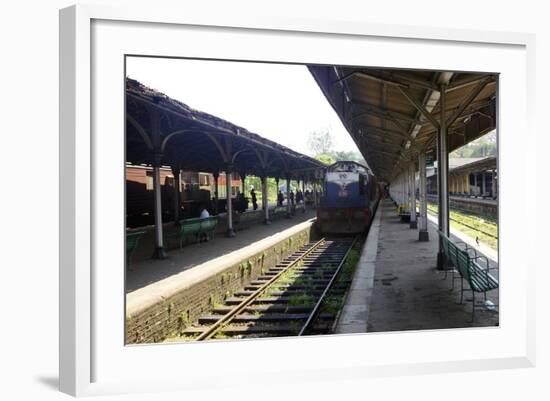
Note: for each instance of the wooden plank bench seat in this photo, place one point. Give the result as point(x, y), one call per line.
point(195, 227)
point(277, 213)
point(132, 241)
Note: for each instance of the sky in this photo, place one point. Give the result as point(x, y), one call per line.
point(280, 102)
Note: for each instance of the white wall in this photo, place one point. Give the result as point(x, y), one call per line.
point(29, 116)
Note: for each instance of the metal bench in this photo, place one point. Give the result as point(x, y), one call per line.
point(196, 227)
point(188, 228)
point(277, 212)
point(470, 266)
point(132, 240)
point(208, 226)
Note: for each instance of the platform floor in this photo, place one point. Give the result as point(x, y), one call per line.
point(409, 293)
point(397, 286)
point(149, 271)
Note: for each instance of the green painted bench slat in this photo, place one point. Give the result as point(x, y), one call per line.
point(195, 227)
point(132, 241)
point(466, 263)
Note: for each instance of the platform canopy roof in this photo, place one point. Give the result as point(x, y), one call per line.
point(393, 115)
point(474, 165)
point(192, 140)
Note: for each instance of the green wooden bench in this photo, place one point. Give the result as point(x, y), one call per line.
point(208, 226)
point(450, 258)
point(188, 228)
point(277, 212)
point(132, 240)
point(470, 266)
point(195, 227)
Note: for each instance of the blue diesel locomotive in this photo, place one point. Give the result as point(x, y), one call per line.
point(350, 198)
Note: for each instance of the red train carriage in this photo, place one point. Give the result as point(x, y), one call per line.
point(195, 188)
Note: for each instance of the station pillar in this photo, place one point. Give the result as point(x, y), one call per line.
point(216, 195)
point(423, 218)
point(304, 193)
point(494, 183)
point(228, 178)
point(412, 179)
point(314, 190)
point(443, 175)
point(265, 203)
point(176, 173)
point(288, 210)
point(159, 252)
point(483, 183)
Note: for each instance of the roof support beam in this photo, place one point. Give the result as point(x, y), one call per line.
point(471, 96)
point(370, 149)
point(461, 83)
point(419, 107)
point(417, 82)
point(367, 108)
point(386, 132)
point(403, 80)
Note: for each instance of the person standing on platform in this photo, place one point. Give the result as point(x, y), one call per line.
point(253, 196)
point(204, 215)
point(280, 198)
point(291, 197)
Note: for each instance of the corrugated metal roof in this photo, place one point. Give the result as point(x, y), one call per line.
point(201, 139)
point(389, 112)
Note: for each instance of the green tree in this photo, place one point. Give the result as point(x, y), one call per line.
point(325, 158)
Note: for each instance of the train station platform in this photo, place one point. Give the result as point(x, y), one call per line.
point(192, 280)
point(397, 287)
point(149, 271)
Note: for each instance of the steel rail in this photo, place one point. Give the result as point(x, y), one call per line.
point(230, 315)
point(327, 289)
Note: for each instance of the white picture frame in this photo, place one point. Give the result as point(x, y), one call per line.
point(92, 39)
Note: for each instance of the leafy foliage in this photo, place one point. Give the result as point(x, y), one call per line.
point(481, 147)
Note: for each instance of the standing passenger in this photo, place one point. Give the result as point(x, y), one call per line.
point(204, 215)
point(253, 196)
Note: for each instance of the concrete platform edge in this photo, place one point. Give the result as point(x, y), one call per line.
point(143, 298)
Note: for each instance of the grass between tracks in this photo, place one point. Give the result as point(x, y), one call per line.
point(473, 225)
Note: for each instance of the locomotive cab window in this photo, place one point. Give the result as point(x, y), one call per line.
point(362, 185)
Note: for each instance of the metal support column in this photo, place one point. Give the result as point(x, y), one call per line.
point(493, 184)
point(443, 175)
point(216, 195)
point(177, 203)
point(228, 178)
point(265, 203)
point(288, 211)
point(423, 220)
point(412, 179)
point(159, 252)
point(483, 183)
point(314, 190)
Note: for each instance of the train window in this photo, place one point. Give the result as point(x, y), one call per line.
point(362, 186)
point(169, 181)
point(204, 180)
point(149, 180)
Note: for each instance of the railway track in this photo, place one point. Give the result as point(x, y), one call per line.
point(291, 298)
